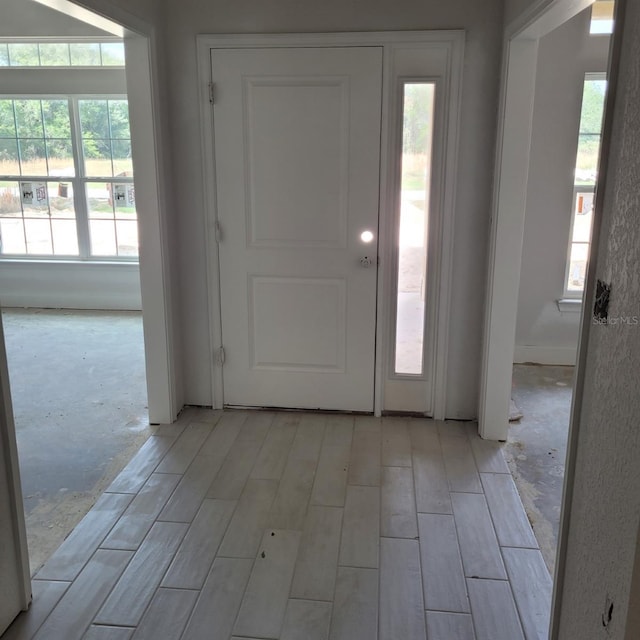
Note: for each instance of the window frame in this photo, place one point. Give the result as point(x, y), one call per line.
point(79, 182)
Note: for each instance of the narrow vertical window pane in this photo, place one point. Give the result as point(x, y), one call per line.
point(4, 55)
point(127, 231)
point(65, 238)
point(12, 240)
point(417, 135)
point(38, 234)
point(7, 119)
point(103, 238)
point(9, 158)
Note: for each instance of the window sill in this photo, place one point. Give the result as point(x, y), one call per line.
point(569, 305)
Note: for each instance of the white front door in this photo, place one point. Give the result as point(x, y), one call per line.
point(297, 149)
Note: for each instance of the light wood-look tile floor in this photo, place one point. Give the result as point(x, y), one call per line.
point(299, 526)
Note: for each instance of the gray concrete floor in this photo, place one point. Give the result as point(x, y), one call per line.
point(79, 399)
point(537, 446)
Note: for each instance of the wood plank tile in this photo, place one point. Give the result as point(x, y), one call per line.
point(396, 445)
point(247, 525)
point(226, 430)
point(141, 466)
point(185, 502)
point(77, 607)
point(339, 430)
point(234, 473)
point(46, 595)
point(167, 615)
point(452, 428)
point(317, 564)
point(67, 562)
point(191, 564)
point(443, 580)
point(509, 517)
point(449, 626)
point(265, 599)
point(401, 603)
point(208, 415)
point(429, 476)
point(216, 609)
point(478, 543)
point(185, 448)
point(364, 466)
point(460, 465)
point(494, 612)
point(305, 620)
point(361, 528)
point(97, 632)
point(532, 587)
point(330, 484)
point(398, 505)
point(355, 607)
point(135, 522)
point(488, 455)
point(133, 592)
point(289, 508)
point(255, 427)
point(275, 450)
point(367, 423)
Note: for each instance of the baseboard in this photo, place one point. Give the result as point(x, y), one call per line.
point(545, 355)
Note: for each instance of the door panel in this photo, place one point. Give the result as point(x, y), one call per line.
point(297, 144)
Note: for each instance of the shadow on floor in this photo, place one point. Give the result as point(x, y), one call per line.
point(80, 405)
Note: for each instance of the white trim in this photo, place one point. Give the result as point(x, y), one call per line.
point(151, 205)
point(9, 450)
point(507, 232)
point(536, 354)
point(452, 42)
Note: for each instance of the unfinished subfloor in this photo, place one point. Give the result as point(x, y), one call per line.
point(537, 447)
point(79, 399)
point(300, 526)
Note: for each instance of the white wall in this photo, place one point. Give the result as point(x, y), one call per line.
point(545, 334)
point(29, 19)
point(70, 285)
point(602, 515)
point(483, 22)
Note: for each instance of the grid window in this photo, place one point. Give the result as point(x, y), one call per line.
point(62, 54)
point(66, 179)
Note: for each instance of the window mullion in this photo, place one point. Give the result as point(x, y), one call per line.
point(79, 183)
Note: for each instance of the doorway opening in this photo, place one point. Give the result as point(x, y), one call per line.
point(70, 244)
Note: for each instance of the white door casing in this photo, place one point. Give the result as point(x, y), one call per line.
point(431, 56)
point(15, 584)
point(297, 142)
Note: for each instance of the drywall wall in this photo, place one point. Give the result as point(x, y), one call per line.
point(604, 510)
point(545, 334)
point(70, 285)
point(483, 23)
point(25, 18)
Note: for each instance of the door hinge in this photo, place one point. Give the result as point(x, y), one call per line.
point(212, 92)
point(218, 231)
point(221, 356)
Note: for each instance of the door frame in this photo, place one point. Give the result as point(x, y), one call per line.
point(448, 47)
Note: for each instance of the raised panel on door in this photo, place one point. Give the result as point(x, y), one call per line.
point(297, 135)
